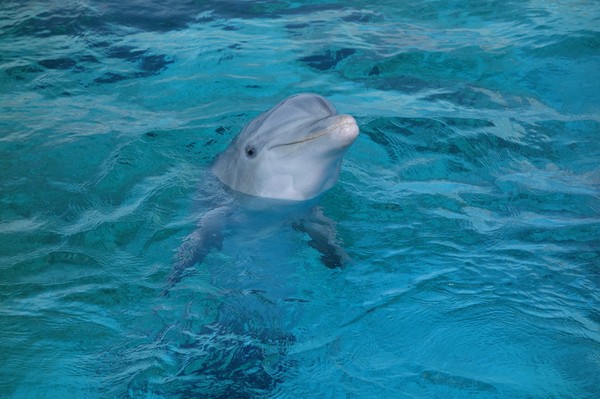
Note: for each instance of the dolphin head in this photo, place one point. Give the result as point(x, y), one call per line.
point(291, 152)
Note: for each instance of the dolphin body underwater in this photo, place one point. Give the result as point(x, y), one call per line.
point(272, 174)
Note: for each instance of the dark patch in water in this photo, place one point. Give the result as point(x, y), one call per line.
point(18, 72)
point(191, 145)
point(235, 364)
point(126, 53)
point(58, 63)
point(147, 64)
point(150, 64)
point(220, 130)
point(328, 59)
point(88, 58)
point(42, 86)
point(153, 64)
point(296, 26)
point(236, 46)
point(374, 71)
point(101, 44)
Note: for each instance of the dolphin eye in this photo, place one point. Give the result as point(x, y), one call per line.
point(250, 152)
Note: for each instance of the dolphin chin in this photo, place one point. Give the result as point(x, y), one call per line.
point(290, 152)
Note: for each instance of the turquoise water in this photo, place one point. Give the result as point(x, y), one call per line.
point(469, 204)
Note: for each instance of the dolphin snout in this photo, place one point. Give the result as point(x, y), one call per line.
point(346, 128)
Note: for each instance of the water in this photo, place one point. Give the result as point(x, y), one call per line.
point(469, 204)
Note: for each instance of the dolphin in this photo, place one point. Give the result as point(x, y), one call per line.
point(267, 184)
point(281, 160)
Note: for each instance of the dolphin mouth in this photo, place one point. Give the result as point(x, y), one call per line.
point(345, 125)
point(304, 140)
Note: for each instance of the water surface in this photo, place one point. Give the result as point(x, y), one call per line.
point(469, 204)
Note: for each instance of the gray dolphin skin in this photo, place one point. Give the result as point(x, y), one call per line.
point(292, 152)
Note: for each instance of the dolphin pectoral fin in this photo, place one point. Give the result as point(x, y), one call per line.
point(197, 245)
point(323, 238)
point(194, 249)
